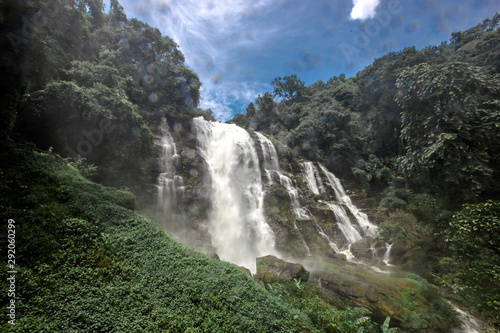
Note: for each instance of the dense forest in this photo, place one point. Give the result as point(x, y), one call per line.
point(84, 97)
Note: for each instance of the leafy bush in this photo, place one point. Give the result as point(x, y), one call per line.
point(88, 170)
point(403, 227)
point(473, 272)
point(392, 203)
point(320, 315)
point(87, 263)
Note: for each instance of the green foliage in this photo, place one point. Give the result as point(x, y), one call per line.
point(352, 321)
point(288, 87)
point(477, 226)
point(392, 203)
point(474, 276)
point(80, 163)
point(317, 313)
point(404, 228)
point(87, 67)
point(87, 263)
point(384, 328)
point(446, 116)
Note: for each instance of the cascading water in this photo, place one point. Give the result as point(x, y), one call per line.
point(469, 324)
point(344, 223)
point(169, 184)
point(387, 254)
point(312, 178)
point(237, 227)
point(300, 212)
point(271, 164)
point(368, 228)
point(271, 161)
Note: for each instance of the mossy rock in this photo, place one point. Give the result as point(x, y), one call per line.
point(271, 269)
point(411, 302)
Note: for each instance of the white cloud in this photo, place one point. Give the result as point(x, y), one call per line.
point(220, 40)
point(364, 9)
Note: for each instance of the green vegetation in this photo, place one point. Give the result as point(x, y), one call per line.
point(87, 263)
point(92, 84)
point(317, 312)
point(417, 129)
point(473, 272)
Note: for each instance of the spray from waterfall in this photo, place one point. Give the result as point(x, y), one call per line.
point(170, 185)
point(237, 226)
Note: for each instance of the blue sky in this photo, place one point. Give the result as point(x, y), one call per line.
point(238, 47)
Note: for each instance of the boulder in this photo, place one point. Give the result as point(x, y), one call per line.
point(271, 269)
point(368, 248)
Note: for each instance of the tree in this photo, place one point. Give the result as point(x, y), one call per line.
point(449, 121)
point(474, 237)
point(288, 87)
point(117, 13)
point(477, 226)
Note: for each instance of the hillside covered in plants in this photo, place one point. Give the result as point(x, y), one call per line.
point(135, 211)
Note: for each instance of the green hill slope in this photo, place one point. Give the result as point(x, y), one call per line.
point(86, 262)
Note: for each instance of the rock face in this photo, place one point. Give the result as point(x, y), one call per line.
point(368, 248)
point(271, 269)
point(411, 302)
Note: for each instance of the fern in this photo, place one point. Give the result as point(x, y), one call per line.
point(385, 327)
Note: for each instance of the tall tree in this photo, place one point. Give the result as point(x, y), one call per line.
point(450, 117)
point(288, 87)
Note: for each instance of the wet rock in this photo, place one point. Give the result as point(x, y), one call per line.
point(340, 256)
point(372, 296)
point(271, 269)
point(368, 248)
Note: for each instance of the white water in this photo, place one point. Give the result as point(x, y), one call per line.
point(368, 228)
point(310, 177)
point(323, 234)
point(271, 164)
point(169, 184)
point(374, 251)
point(387, 254)
point(469, 324)
point(299, 211)
point(237, 227)
point(271, 161)
point(344, 223)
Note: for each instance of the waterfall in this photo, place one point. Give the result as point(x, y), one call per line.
point(271, 161)
point(323, 234)
point(237, 226)
point(469, 324)
point(312, 178)
point(368, 228)
point(387, 254)
point(169, 184)
point(271, 164)
point(299, 211)
point(344, 223)
point(374, 252)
